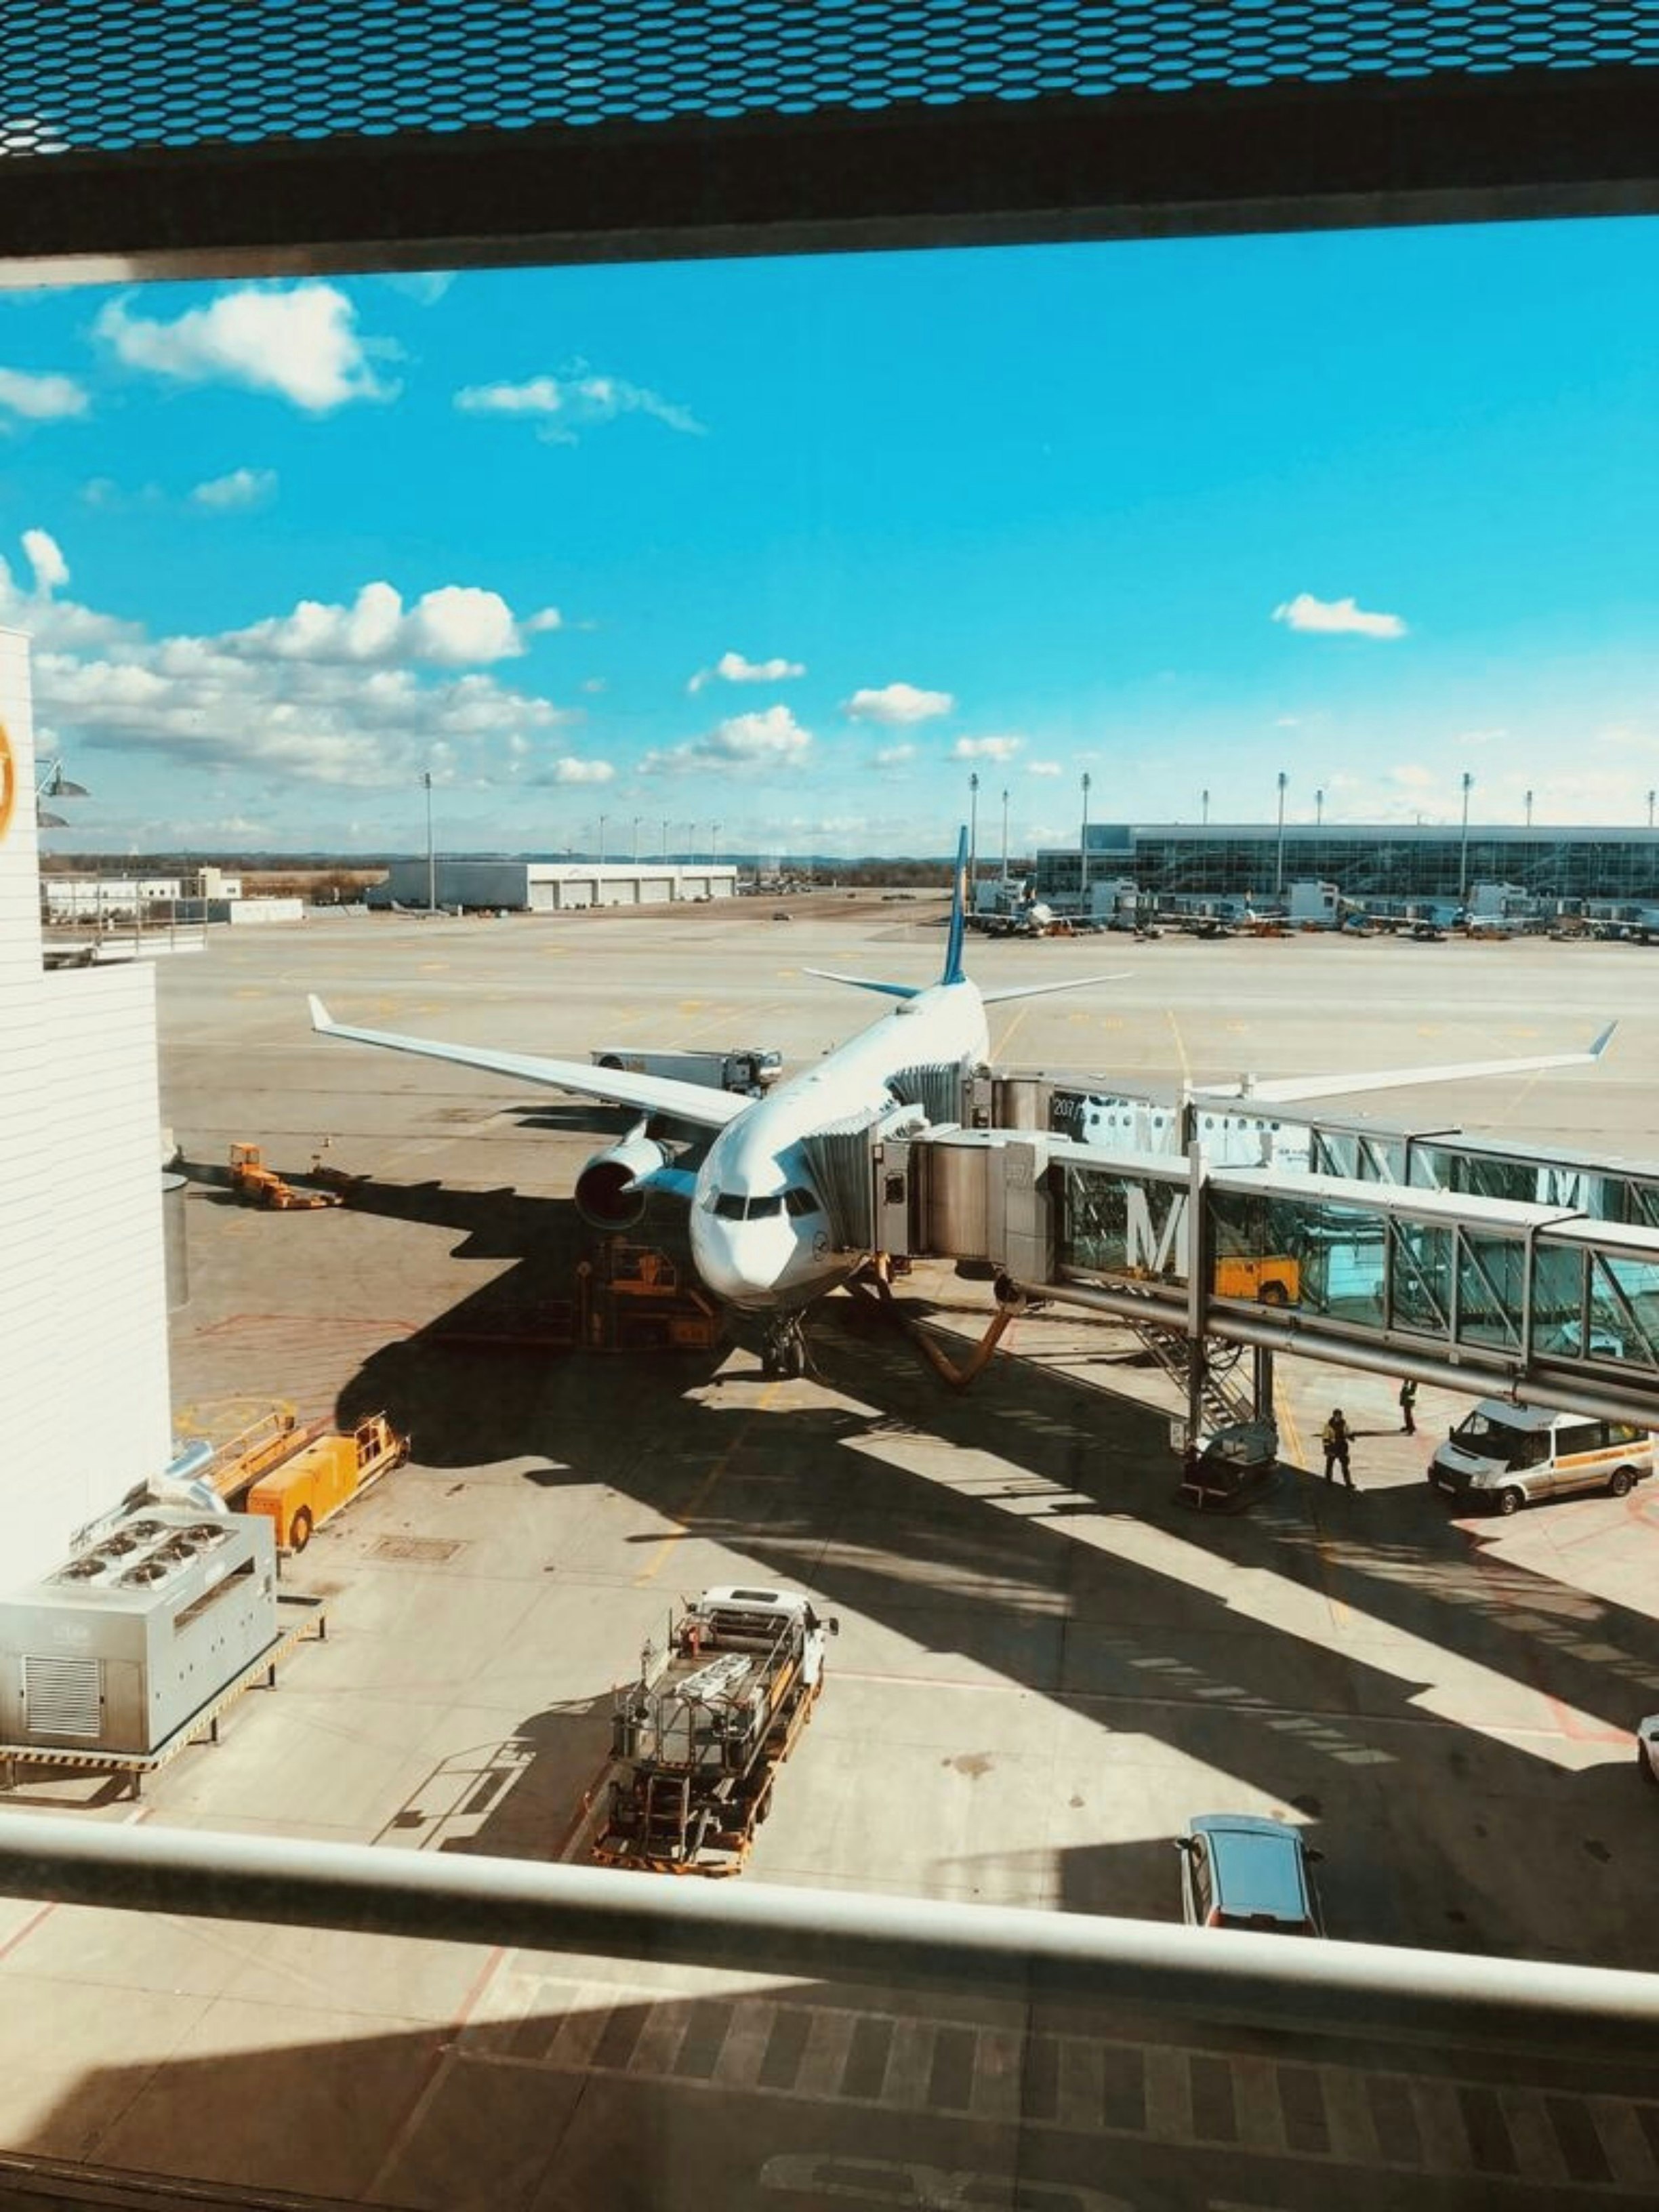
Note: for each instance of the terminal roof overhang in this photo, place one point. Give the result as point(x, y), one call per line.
point(909, 169)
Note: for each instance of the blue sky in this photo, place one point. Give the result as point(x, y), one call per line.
point(797, 546)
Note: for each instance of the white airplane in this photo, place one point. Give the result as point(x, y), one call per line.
point(760, 1227)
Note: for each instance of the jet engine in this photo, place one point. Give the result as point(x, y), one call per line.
point(606, 1195)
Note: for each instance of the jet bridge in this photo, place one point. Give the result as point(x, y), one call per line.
point(1541, 1284)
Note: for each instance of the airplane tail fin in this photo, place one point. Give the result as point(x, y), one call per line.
point(951, 972)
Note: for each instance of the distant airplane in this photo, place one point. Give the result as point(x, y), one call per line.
point(760, 1226)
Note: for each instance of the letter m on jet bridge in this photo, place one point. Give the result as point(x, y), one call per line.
point(1155, 1247)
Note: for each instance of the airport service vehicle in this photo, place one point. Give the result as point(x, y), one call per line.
point(305, 1490)
point(760, 1225)
point(747, 1072)
point(697, 1740)
point(1241, 1870)
point(1647, 1748)
point(1504, 1456)
point(1274, 1280)
point(250, 1178)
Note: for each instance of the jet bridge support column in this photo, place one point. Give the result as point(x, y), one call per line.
point(1199, 1271)
point(1262, 1382)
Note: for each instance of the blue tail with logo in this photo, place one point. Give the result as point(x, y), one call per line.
point(952, 971)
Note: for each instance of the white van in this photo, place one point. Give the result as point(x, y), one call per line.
point(1504, 1456)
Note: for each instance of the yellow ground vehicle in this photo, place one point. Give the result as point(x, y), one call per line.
point(250, 1178)
point(1275, 1280)
point(325, 1476)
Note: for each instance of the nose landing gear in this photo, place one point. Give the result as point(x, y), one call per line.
point(783, 1349)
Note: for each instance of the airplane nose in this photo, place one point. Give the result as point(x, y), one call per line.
point(715, 1262)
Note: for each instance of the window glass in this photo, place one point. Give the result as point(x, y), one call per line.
point(763, 1209)
point(1578, 1436)
point(729, 1206)
point(800, 1201)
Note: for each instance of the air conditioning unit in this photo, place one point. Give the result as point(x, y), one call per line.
point(120, 1647)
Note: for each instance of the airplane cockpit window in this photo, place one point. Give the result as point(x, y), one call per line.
point(799, 1201)
point(729, 1205)
point(762, 1209)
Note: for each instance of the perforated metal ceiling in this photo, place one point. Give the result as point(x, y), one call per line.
point(129, 74)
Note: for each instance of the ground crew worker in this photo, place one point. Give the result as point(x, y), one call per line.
point(1408, 1407)
point(1334, 1435)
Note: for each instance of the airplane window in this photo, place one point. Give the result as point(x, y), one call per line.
point(800, 1201)
point(760, 1209)
point(729, 1206)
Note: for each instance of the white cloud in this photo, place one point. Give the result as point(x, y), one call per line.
point(1335, 616)
point(568, 769)
point(891, 757)
point(46, 559)
point(565, 405)
point(743, 745)
point(344, 716)
point(41, 397)
point(986, 749)
point(301, 343)
point(241, 487)
point(732, 668)
point(897, 703)
point(454, 625)
point(426, 287)
point(1043, 767)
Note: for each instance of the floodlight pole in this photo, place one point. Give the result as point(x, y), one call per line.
point(431, 850)
point(603, 818)
point(1005, 837)
point(1204, 808)
point(973, 832)
point(1463, 849)
point(1278, 871)
point(1529, 810)
point(1083, 852)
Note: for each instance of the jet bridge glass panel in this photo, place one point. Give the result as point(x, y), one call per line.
point(1116, 1222)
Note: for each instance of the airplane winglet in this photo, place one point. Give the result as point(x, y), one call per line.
point(320, 1018)
point(1602, 1042)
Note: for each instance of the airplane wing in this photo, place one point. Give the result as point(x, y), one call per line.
point(702, 1107)
point(998, 996)
point(1287, 1090)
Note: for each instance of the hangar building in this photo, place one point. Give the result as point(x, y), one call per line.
point(83, 1324)
point(557, 886)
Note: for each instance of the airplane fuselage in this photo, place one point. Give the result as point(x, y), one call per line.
point(761, 1232)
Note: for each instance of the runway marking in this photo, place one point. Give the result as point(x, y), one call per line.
point(1007, 1037)
point(706, 1489)
point(1320, 2112)
point(1180, 1046)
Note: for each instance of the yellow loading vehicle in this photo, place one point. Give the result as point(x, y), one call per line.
point(1275, 1280)
point(302, 1493)
point(250, 1178)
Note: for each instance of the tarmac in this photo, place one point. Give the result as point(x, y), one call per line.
point(1045, 1665)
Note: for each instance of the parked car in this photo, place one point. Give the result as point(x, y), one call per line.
point(1504, 1456)
point(1647, 1748)
point(1242, 1870)
point(781, 914)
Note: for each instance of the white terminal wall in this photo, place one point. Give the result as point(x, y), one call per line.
point(85, 1412)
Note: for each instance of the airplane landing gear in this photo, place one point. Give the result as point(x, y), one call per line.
point(783, 1351)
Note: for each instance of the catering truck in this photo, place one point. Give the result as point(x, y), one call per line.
point(749, 1070)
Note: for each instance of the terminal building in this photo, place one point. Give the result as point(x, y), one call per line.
point(83, 1312)
point(1375, 860)
point(553, 886)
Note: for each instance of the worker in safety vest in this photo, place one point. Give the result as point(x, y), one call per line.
point(1335, 1436)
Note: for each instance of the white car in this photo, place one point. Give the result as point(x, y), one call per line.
point(1647, 1748)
